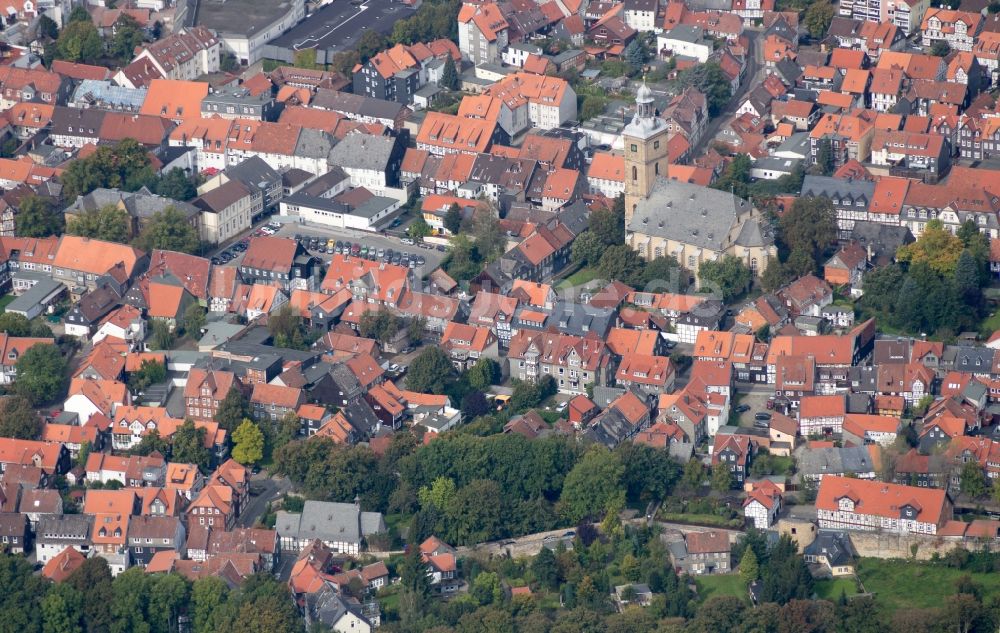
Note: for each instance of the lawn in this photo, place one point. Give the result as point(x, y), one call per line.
point(4, 300)
point(832, 588)
point(699, 519)
point(582, 276)
point(990, 324)
point(899, 584)
point(720, 585)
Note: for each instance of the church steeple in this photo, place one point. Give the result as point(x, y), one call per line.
point(646, 155)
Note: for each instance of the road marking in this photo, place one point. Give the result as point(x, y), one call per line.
point(300, 45)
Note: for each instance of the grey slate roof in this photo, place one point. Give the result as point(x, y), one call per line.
point(839, 188)
point(689, 213)
point(329, 521)
point(835, 545)
point(140, 204)
point(835, 461)
point(356, 104)
point(363, 151)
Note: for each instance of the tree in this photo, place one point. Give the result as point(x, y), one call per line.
point(248, 443)
point(208, 595)
point(176, 184)
point(818, 17)
point(36, 217)
point(62, 610)
point(305, 58)
point(233, 410)
point(587, 249)
point(125, 165)
point(109, 223)
point(749, 568)
point(21, 595)
point(41, 374)
point(188, 446)
point(419, 229)
point(484, 373)
point(621, 262)
point(592, 106)
point(722, 478)
point(545, 570)
point(381, 325)
point(80, 42)
point(449, 76)
point(489, 235)
point(453, 219)
point(285, 327)
point(79, 14)
point(47, 28)
point(712, 82)
point(228, 63)
point(430, 372)
point(194, 320)
point(729, 276)
point(486, 588)
point(810, 225)
point(973, 480)
point(169, 230)
point(940, 48)
point(609, 224)
point(168, 597)
point(371, 43)
point(967, 280)
point(415, 328)
point(936, 246)
point(127, 37)
point(162, 336)
point(150, 443)
point(635, 54)
point(592, 485)
point(825, 160)
point(14, 324)
point(18, 420)
point(736, 178)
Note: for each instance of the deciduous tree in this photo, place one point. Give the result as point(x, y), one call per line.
point(430, 372)
point(248, 442)
point(37, 217)
point(109, 223)
point(41, 374)
point(169, 230)
point(18, 420)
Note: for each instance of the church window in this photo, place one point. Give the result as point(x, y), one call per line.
point(635, 148)
point(635, 173)
point(656, 145)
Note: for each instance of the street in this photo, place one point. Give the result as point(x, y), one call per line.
point(267, 490)
point(752, 79)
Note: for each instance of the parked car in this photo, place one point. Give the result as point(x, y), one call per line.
point(408, 240)
point(420, 260)
point(442, 247)
point(762, 415)
point(742, 408)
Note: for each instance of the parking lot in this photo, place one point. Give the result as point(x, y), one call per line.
point(431, 255)
point(754, 402)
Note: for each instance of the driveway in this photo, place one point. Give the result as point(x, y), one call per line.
point(267, 490)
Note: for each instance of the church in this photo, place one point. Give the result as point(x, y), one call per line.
point(691, 223)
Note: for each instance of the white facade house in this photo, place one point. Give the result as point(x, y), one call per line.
point(517, 54)
point(762, 511)
point(685, 41)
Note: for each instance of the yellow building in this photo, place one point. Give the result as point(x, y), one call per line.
point(691, 223)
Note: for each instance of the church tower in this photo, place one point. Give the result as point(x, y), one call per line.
point(645, 151)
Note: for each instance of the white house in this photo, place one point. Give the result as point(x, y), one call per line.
point(685, 40)
point(762, 504)
point(125, 323)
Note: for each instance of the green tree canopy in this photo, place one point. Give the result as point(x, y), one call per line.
point(127, 37)
point(169, 230)
point(176, 184)
point(593, 484)
point(453, 219)
point(712, 82)
point(381, 325)
point(80, 42)
point(430, 372)
point(18, 420)
point(728, 275)
point(41, 374)
point(936, 246)
point(810, 225)
point(248, 443)
point(449, 76)
point(14, 324)
point(125, 166)
point(818, 18)
point(233, 410)
point(37, 217)
point(188, 446)
point(109, 223)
